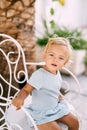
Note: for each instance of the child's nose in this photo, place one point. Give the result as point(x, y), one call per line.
point(56, 59)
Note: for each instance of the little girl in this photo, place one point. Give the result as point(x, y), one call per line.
point(48, 107)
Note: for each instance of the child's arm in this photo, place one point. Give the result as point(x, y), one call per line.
point(24, 92)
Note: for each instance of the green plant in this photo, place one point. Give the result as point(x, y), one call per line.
point(75, 36)
point(85, 60)
point(42, 41)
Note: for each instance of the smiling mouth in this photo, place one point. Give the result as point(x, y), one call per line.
point(54, 65)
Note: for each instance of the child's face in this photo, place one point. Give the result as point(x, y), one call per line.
point(55, 58)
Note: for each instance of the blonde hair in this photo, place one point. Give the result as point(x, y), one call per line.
point(60, 41)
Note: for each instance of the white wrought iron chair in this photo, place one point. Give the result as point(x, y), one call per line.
point(10, 118)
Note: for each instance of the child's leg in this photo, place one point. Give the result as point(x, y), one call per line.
point(49, 126)
point(71, 121)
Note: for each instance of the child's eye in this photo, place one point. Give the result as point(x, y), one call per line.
point(51, 54)
point(61, 58)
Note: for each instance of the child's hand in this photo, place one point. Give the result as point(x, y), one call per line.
point(24, 92)
point(60, 98)
point(17, 102)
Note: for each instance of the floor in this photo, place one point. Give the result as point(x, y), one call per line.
point(75, 95)
point(78, 97)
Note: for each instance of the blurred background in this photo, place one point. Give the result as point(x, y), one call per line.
point(32, 23)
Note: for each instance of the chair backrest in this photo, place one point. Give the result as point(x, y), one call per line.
point(7, 85)
point(7, 88)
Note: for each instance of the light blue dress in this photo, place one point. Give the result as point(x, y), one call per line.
point(45, 106)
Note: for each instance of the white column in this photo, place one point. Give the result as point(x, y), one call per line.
point(39, 16)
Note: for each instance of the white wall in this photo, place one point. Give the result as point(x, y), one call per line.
point(72, 14)
point(39, 16)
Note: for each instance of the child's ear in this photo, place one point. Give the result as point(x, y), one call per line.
point(66, 62)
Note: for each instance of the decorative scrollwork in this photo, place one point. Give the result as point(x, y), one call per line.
point(20, 54)
point(13, 73)
point(5, 101)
